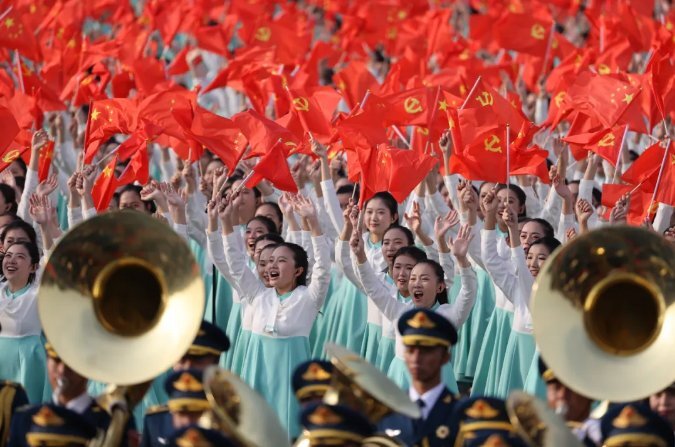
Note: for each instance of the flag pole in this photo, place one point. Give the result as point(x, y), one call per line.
point(508, 155)
point(658, 179)
point(475, 84)
point(17, 56)
point(548, 49)
point(400, 135)
point(618, 157)
point(6, 11)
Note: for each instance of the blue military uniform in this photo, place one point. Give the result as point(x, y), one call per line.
point(195, 436)
point(12, 396)
point(478, 417)
point(425, 328)
point(186, 394)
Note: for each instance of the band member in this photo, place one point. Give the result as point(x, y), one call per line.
point(186, 404)
point(195, 436)
point(334, 425)
point(480, 418)
point(54, 425)
point(12, 396)
point(635, 425)
point(427, 337)
point(311, 380)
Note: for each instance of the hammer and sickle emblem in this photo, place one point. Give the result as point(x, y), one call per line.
point(559, 97)
point(11, 156)
point(423, 130)
point(485, 99)
point(538, 31)
point(412, 105)
point(607, 140)
point(604, 69)
point(301, 104)
point(263, 34)
point(492, 144)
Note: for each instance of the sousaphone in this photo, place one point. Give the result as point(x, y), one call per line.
point(240, 412)
point(603, 313)
point(536, 424)
point(121, 298)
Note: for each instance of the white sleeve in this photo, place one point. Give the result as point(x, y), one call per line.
point(29, 188)
point(437, 204)
point(332, 205)
point(662, 219)
point(552, 208)
point(447, 261)
point(566, 221)
point(532, 202)
point(390, 307)
point(459, 311)
point(216, 254)
point(525, 280)
point(88, 213)
point(196, 218)
point(451, 182)
point(74, 216)
point(243, 278)
point(344, 262)
point(182, 231)
point(320, 280)
point(499, 271)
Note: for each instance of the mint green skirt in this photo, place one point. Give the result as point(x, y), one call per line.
point(23, 360)
point(238, 353)
point(269, 368)
point(385, 353)
point(233, 330)
point(471, 334)
point(490, 360)
point(517, 362)
point(399, 374)
point(534, 384)
point(342, 319)
point(371, 342)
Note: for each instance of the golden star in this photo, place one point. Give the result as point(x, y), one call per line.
point(95, 114)
point(627, 98)
point(443, 105)
point(9, 22)
point(107, 172)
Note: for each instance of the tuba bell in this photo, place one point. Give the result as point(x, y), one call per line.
point(606, 300)
point(121, 300)
point(536, 424)
point(240, 412)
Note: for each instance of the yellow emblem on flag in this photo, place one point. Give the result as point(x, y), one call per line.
point(607, 140)
point(423, 130)
point(604, 69)
point(11, 156)
point(263, 34)
point(412, 105)
point(538, 31)
point(559, 98)
point(485, 99)
point(492, 144)
point(301, 103)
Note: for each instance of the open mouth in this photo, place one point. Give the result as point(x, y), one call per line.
point(418, 295)
point(273, 275)
point(10, 268)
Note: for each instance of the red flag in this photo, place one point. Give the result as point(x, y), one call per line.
point(16, 35)
point(105, 186)
point(274, 167)
point(354, 81)
point(262, 133)
point(45, 161)
point(10, 128)
point(106, 118)
point(138, 168)
point(645, 169)
point(666, 188)
point(314, 111)
point(524, 33)
point(638, 204)
point(606, 142)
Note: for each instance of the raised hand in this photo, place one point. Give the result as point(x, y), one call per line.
point(414, 219)
point(318, 149)
point(510, 219)
point(583, 210)
point(188, 174)
point(40, 140)
point(40, 208)
point(354, 216)
point(444, 223)
point(620, 211)
point(570, 234)
point(445, 143)
point(48, 186)
point(460, 245)
point(303, 206)
point(172, 196)
point(490, 202)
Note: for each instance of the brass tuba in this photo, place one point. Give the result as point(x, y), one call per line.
point(121, 300)
point(240, 412)
point(603, 313)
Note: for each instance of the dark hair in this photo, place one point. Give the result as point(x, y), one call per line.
point(34, 254)
point(408, 234)
point(442, 296)
point(520, 195)
point(149, 204)
point(346, 189)
point(269, 223)
point(277, 211)
point(10, 197)
point(20, 182)
point(548, 241)
point(19, 224)
point(414, 252)
point(388, 200)
point(230, 181)
point(22, 164)
point(273, 237)
point(300, 259)
point(545, 224)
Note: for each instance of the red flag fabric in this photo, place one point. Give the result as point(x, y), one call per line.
point(262, 133)
point(666, 188)
point(10, 128)
point(45, 161)
point(106, 118)
point(105, 186)
point(314, 111)
point(645, 169)
point(524, 33)
point(16, 35)
point(273, 166)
